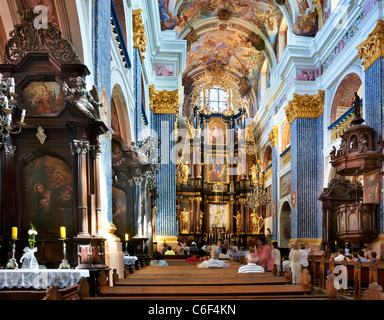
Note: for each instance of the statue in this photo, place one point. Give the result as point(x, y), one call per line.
point(238, 222)
point(356, 106)
point(257, 223)
point(82, 99)
point(200, 225)
point(185, 173)
point(184, 220)
point(333, 154)
point(363, 144)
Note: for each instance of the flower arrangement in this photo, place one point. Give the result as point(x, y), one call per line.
point(32, 234)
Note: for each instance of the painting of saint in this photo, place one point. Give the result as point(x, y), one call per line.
point(285, 185)
point(217, 216)
point(217, 171)
point(42, 97)
point(48, 194)
point(119, 211)
point(371, 187)
point(352, 221)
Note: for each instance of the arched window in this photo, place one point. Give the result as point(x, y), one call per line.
point(267, 157)
point(217, 99)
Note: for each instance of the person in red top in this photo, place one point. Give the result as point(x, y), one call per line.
point(203, 256)
point(195, 258)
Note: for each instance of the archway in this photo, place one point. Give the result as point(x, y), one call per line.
point(267, 159)
point(345, 94)
point(285, 225)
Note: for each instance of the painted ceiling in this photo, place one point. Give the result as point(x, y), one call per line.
point(236, 35)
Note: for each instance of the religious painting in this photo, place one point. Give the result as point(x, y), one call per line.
point(269, 205)
point(217, 132)
point(48, 195)
point(217, 171)
point(306, 24)
point(353, 222)
point(341, 222)
point(372, 187)
point(285, 185)
point(366, 221)
point(306, 75)
point(326, 9)
point(42, 98)
point(119, 211)
point(163, 70)
point(217, 216)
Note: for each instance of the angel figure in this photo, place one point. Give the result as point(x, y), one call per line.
point(81, 97)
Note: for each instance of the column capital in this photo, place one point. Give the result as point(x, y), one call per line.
point(164, 102)
point(95, 151)
point(305, 106)
point(9, 149)
point(79, 147)
point(273, 136)
point(139, 38)
point(373, 47)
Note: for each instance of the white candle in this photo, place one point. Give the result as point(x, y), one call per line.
point(6, 102)
point(22, 116)
point(9, 120)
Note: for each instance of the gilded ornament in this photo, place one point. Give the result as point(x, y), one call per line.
point(305, 106)
point(273, 135)
point(139, 38)
point(373, 47)
point(164, 102)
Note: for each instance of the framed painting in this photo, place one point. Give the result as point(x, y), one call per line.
point(217, 132)
point(217, 172)
point(42, 98)
point(218, 216)
point(119, 210)
point(285, 185)
point(372, 187)
point(48, 195)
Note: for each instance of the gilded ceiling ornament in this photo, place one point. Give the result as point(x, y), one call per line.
point(139, 38)
point(373, 47)
point(273, 135)
point(305, 106)
point(224, 14)
point(164, 102)
point(25, 38)
point(191, 37)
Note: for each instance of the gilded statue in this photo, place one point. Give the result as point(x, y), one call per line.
point(185, 173)
point(184, 220)
point(257, 223)
point(200, 225)
point(238, 222)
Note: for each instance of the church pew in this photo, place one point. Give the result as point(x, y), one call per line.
point(68, 293)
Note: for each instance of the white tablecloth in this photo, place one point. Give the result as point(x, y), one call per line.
point(40, 279)
point(129, 260)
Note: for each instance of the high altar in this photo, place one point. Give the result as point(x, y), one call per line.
point(217, 172)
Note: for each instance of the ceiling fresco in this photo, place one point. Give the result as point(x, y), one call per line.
point(236, 35)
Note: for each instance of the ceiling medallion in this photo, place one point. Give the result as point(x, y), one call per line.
point(224, 15)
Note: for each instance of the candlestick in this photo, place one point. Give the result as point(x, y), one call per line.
point(63, 233)
point(64, 263)
point(22, 115)
point(14, 232)
point(126, 237)
point(12, 264)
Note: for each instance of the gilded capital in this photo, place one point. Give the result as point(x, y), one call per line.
point(273, 136)
point(139, 38)
point(373, 47)
point(305, 106)
point(163, 102)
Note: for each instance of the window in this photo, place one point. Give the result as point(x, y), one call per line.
point(217, 99)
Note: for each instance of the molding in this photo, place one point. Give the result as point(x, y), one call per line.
point(305, 106)
point(373, 47)
point(139, 38)
point(273, 136)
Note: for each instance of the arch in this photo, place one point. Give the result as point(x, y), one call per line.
point(263, 79)
point(120, 122)
point(282, 39)
point(267, 159)
point(286, 136)
point(345, 94)
point(3, 39)
point(285, 224)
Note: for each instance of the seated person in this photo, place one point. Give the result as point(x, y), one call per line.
point(285, 264)
point(339, 256)
point(223, 254)
point(193, 249)
point(354, 256)
point(203, 256)
point(251, 266)
point(157, 261)
point(214, 262)
point(165, 247)
point(373, 256)
point(169, 252)
point(195, 258)
point(361, 255)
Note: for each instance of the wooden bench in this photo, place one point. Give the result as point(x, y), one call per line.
point(68, 293)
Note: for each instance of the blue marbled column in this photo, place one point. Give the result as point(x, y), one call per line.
point(320, 176)
point(373, 107)
point(166, 223)
point(304, 178)
point(137, 91)
point(274, 193)
point(101, 17)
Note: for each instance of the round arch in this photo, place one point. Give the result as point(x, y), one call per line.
point(345, 94)
point(285, 136)
point(285, 224)
point(267, 159)
point(120, 120)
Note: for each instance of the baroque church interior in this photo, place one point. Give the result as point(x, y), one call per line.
point(131, 125)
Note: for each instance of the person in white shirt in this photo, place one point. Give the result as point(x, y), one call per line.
point(251, 266)
point(214, 262)
point(276, 255)
point(304, 257)
point(340, 255)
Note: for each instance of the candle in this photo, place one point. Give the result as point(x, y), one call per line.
point(14, 232)
point(22, 116)
point(63, 234)
point(9, 120)
point(335, 243)
point(126, 237)
point(6, 102)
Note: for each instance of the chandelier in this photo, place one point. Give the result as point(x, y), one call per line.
point(259, 196)
point(8, 105)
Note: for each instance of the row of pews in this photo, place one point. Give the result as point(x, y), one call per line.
point(182, 280)
point(363, 280)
